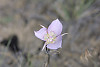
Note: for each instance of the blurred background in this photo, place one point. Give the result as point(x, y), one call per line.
point(20, 18)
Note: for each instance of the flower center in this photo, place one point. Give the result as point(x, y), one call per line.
point(50, 37)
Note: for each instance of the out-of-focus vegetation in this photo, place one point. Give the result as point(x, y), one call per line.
point(73, 9)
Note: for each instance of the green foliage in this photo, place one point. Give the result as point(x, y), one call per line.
point(74, 8)
point(6, 19)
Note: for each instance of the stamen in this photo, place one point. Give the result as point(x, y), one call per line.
point(46, 37)
point(64, 34)
point(50, 38)
point(51, 34)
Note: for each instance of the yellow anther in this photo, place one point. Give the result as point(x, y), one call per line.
point(46, 36)
point(50, 38)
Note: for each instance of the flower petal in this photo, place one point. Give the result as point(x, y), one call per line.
point(55, 27)
point(40, 34)
point(57, 44)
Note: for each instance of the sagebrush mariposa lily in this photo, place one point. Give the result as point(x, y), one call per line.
point(51, 35)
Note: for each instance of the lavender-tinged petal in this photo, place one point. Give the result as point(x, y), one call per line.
point(40, 34)
point(55, 27)
point(54, 46)
point(57, 44)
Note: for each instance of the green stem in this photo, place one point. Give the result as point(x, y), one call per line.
point(48, 58)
